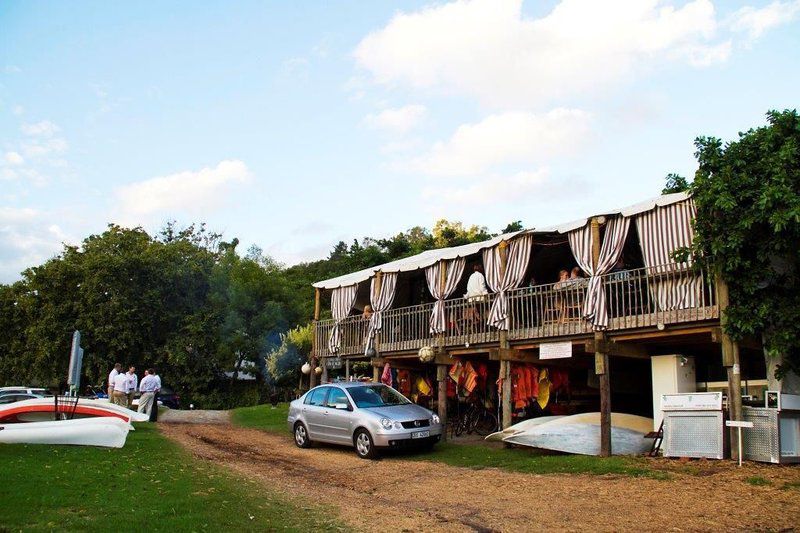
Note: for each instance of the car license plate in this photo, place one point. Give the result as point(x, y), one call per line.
point(420, 434)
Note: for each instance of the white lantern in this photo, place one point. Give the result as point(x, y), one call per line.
point(305, 369)
point(426, 354)
point(318, 370)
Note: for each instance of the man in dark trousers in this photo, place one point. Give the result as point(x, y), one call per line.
point(156, 389)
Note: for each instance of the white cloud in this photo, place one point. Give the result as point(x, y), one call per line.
point(27, 238)
point(397, 120)
point(488, 50)
point(17, 110)
point(13, 158)
point(512, 137)
point(43, 147)
point(755, 21)
point(191, 191)
point(45, 128)
point(489, 190)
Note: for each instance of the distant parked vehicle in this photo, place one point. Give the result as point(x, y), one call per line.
point(14, 397)
point(367, 416)
point(166, 397)
point(23, 390)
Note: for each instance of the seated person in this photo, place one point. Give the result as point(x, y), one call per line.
point(367, 312)
point(576, 277)
point(563, 279)
point(476, 285)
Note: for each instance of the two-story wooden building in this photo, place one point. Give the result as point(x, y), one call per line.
point(594, 333)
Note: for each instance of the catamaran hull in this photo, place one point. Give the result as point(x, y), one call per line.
point(44, 409)
point(108, 432)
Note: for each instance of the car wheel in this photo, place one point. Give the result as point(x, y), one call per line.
point(301, 436)
point(365, 448)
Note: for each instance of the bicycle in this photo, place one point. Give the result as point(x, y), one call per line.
point(475, 419)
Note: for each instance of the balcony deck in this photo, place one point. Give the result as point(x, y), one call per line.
point(636, 299)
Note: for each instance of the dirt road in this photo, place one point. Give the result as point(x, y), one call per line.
point(399, 494)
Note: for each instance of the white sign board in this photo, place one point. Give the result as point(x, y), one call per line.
point(692, 401)
point(555, 350)
point(738, 424)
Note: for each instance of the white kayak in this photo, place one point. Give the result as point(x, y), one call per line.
point(580, 434)
point(521, 427)
point(44, 409)
point(110, 432)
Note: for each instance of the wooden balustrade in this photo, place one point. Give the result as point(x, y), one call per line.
point(639, 298)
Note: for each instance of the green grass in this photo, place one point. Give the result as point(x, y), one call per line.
point(791, 485)
point(150, 484)
point(263, 417)
point(476, 456)
point(523, 460)
point(757, 481)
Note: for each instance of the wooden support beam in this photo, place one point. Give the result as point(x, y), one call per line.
point(441, 400)
point(317, 294)
point(730, 360)
point(618, 349)
point(601, 359)
point(468, 351)
point(670, 332)
point(512, 355)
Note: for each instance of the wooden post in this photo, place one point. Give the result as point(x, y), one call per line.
point(601, 358)
point(376, 374)
point(347, 369)
point(505, 366)
point(312, 376)
point(730, 360)
point(441, 402)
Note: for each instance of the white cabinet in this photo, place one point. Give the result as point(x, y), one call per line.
point(671, 374)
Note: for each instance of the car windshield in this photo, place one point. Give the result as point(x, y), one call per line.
point(376, 396)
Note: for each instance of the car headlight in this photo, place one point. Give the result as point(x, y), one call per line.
point(386, 423)
point(435, 418)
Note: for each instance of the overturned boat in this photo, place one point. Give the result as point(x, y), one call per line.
point(580, 434)
point(106, 431)
point(52, 408)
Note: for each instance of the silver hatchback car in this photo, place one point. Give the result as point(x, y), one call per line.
point(367, 416)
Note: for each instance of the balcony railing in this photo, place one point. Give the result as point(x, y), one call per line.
point(640, 298)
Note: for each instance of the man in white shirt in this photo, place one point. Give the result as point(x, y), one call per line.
point(111, 375)
point(148, 390)
point(133, 383)
point(476, 285)
point(120, 393)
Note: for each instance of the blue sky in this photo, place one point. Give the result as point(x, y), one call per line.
point(294, 125)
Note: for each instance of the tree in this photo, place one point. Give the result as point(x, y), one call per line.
point(513, 226)
point(747, 194)
point(675, 183)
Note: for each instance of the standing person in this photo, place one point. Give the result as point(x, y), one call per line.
point(157, 388)
point(120, 392)
point(148, 389)
point(133, 384)
point(111, 375)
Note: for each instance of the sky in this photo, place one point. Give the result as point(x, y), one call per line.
point(294, 125)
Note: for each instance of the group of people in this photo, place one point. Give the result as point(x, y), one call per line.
point(567, 278)
point(122, 387)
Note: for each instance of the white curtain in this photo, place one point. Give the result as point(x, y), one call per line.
point(342, 301)
point(380, 303)
point(662, 231)
point(454, 269)
point(519, 253)
point(580, 241)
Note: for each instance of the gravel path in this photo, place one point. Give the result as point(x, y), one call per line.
point(196, 416)
point(397, 494)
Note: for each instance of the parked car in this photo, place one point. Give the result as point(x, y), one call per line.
point(367, 416)
point(13, 397)
point(38, 391)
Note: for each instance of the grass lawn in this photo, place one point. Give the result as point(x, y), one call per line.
point(265, 418)
point(150, 484)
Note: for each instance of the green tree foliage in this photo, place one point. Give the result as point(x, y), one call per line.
point(748, 226)
point(675, 183)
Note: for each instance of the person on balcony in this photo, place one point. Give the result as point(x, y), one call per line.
point(476, 292)
point(367, 312)
point(576, 277)
point(563, 279)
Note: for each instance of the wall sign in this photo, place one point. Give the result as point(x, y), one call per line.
point(333, 363)
point(692, 401)
point(555, 350)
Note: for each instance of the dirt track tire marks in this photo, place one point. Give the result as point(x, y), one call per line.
point(397, 494)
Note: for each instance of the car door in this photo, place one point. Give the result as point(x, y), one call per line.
point(314, 412)
point(338, 416)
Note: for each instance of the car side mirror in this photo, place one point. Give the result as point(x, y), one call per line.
point(342, 406)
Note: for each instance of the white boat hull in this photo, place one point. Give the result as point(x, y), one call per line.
point(580, 434)
point(44, 409)
point(109, 432)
